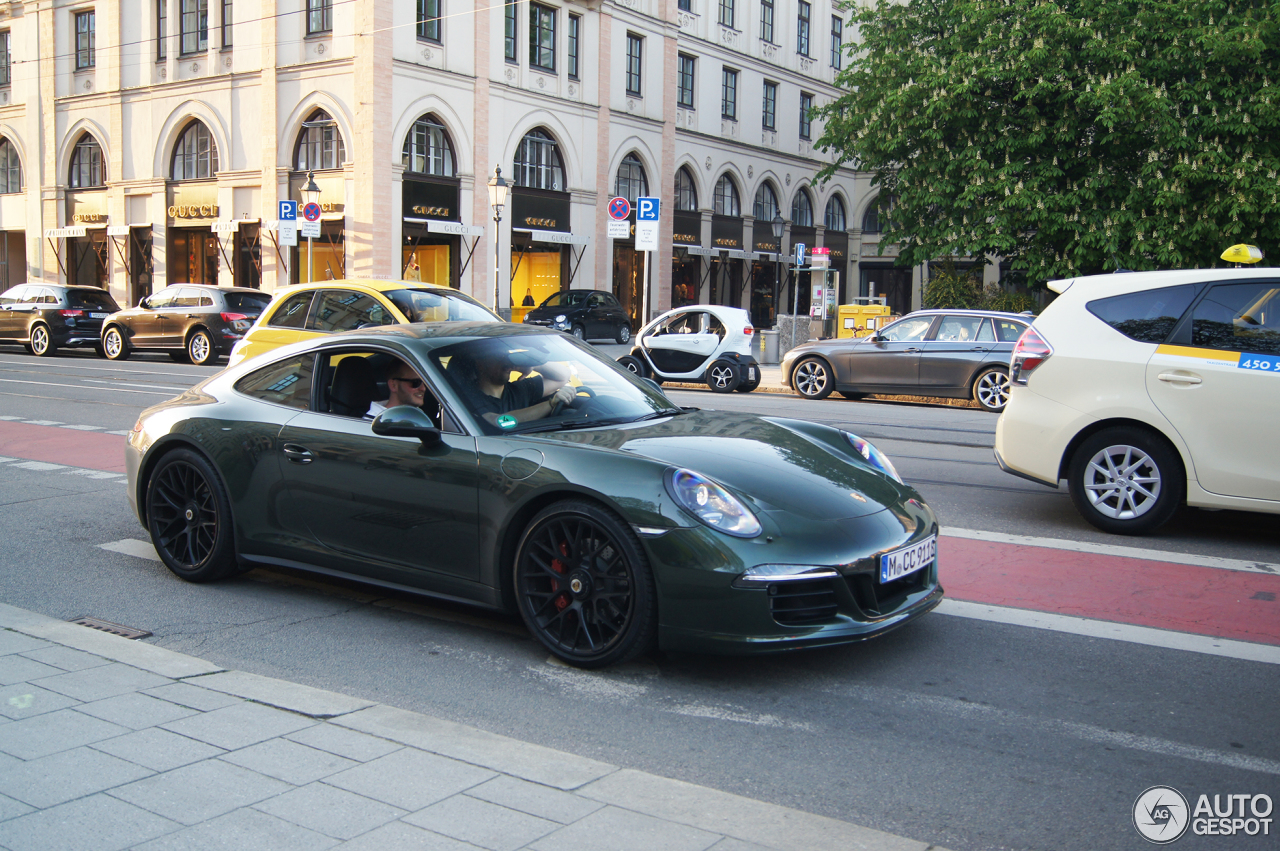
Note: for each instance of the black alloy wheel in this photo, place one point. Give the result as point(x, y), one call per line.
point(41, 344)
point(583, 585)
point(200, 348)
point(114, 345)
point(579, 332)
point(812, 379)
point(633, 364)
point(723, 376)
point(189, 518)
point(624, 333)
point(1126, 480)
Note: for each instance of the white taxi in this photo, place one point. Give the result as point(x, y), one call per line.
point(1150, 390)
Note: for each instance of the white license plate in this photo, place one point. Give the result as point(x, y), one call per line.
point(98, 315)
point(751, 373)
point(899, 563)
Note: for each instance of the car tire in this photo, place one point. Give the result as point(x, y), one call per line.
point(189, 518)
point(723, 376)
point(42, 345)
point(854, 397)
point(114, 345)
point(579, 332)
point(991, 389)
point(633, 364)
point(747, 385)
point(200, 348)
point(584, 587)
point(624, 334)
point(812, 378)
point(1125, 480)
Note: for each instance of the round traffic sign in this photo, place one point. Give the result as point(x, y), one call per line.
point(311, 212)
point(619, 208)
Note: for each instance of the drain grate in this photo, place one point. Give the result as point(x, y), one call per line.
point(113, 628)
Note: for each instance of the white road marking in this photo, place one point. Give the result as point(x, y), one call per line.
point(737, 715)
point(1114, 550)
point(124, 432)
point(93, 474)
point(10, 418)
point(123, 370)
point(132, 547)
point(45, 422)
point(133, 384)
point(1090, 628)
point(4, 460)
point(40, 466)
point(83, 427)
point(85, 387)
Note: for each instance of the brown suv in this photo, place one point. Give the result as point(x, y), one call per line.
point(192, 322)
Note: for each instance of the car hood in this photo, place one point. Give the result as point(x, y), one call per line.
point(776, 464)
point(553, 312)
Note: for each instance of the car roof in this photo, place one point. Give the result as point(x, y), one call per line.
point(212, 287)
point(934, 311)
point(1119, 283)
point(381, 285)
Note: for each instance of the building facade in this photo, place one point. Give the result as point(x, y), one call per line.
point(148, 142)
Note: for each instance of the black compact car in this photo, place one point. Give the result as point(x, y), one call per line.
point(586, 314)
point(193, 322)
point(47, 317)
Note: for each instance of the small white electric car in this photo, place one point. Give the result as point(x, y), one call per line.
point(697, 343)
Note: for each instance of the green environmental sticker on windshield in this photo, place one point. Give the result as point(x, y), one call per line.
point(506, 421)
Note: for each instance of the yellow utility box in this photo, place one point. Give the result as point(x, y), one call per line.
point(865, 316)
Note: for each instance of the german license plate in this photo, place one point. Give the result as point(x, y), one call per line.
point(899, 563)
point(98, 315)
point(751, 373)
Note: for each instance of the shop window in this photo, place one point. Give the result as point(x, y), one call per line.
point(538, 164)
point(727, 202)
point(833, 218)
point(766, 206)
point(195, 157)
point(802, 209)
point(537, 277)
point(319, 144)
point(631, 182)
point(686, 191)
point(86, 164)
point(10, 168)
point(427, 149)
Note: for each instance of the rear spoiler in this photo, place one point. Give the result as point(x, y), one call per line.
point(1061, 287)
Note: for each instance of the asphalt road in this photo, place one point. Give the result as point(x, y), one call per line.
point(966, 733)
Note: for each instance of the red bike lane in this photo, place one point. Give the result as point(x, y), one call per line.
point(89, 450)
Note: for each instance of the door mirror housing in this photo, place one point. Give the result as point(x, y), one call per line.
point(145, 302)
point(876, 338)
point(407, 421)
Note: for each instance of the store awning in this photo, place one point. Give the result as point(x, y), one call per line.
point(554, 236)
point(698, 250)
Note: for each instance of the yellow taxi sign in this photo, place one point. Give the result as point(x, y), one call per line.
point(1242, 254)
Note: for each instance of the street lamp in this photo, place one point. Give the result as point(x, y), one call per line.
point(497, 200)
point(778, 224)
point(310, 195)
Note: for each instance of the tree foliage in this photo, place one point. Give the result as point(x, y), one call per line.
point(1069, 137)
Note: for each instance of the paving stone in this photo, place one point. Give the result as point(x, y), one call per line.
point(344, 742)
point(399, 836)
point(61, 777)
point(334, 812)
point(185, 694)
point(24, 700)
point(288, 761)
point(613, 829)
point(63, 730)
point(281, 694)
point(158, 749)
point(196, 793)
point(9, 808)
point(481, 823)
point(99, 821)
point(535, 799)
point(16, 642)
point(103, 682)
point(410, 779)
point(20, 669)
point(731, 844)
point(242, 830)
point(135, 711)
point(66, 658)
point(240, 725)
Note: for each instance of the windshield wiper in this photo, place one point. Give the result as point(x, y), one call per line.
point(571, 425)
point(665, 412)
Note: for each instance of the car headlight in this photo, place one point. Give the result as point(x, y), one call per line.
point(561, 318)
point(712, 504)
point(874, 457)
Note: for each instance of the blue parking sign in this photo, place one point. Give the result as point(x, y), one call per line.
point(288, 211)
point(647, 209)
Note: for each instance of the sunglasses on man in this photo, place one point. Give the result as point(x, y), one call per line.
point(415, 383)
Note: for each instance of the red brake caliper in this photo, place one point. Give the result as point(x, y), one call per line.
point(557, 565)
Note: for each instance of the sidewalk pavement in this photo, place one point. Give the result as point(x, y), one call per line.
point(110, 743)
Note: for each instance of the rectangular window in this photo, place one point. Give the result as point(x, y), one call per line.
point(837, 41)
point(162, 26)
point(686, 5)
point(86, 28)
point(227, 21)
point(729, 95)
point(195, 25)
point(542, 37)
point(766, 20)
point(509, 31)
point(806, 104)
point(635, 46)
point(5, 59)
point(319, 16)
point(802, 29)
point(769, 118)
point(575, 45)
point(726, 13)
point(685, 79)
point(429, 19)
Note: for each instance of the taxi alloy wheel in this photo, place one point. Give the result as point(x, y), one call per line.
point(991, 389)
point(113, 344)
point(1126, 480)
point(812, 379)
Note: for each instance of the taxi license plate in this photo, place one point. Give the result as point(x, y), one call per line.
point(899, 563)
point(98, 315)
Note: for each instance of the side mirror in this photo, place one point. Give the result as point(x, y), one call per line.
point(655, 385)
point(145, 302)
point(876, 338)
point(407, 421)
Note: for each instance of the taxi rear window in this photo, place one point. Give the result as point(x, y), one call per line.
point(1147, 316)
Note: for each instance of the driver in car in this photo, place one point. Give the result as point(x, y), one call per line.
point(529, 397)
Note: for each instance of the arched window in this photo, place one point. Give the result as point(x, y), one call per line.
point(86, 164)
point(833, 218)
point(876, 216)
point(10, 168)
point(538, 164)
point(319, 144)
point(766, 203)
point(802, 209)
point(686, 191)
point(631, 183)
point(427, 149)
point(727, 201)
point(195, 157)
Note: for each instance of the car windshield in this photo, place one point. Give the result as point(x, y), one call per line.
point(91, 300)
point(513, 384)
point(567, 298)
point(439, 305)
point(251, 303)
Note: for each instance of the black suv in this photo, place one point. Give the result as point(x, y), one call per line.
point(192, 322)
point(586, 314)
point(46, 317)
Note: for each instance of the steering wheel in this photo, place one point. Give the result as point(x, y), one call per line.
point(580, 390)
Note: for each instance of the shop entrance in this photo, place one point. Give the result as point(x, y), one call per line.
point(628, 280)
point(193, 256)
point(429, 261)
point(141, 271)
point(87, 259)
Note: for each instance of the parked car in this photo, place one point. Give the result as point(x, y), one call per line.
point(586, 314)
point(47, 317)
point(948, 353)
point(699, 342)
point(192, 322)
point(708, 531)
point(1149, 390)
point(307, 311)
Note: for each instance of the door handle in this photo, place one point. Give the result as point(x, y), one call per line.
point(912, 349)
point(1176, 378)
point(300, 454)
point(978, 349)
point(192, 315)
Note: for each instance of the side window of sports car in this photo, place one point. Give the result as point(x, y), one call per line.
point(343, 310)
point(286, 382)
point(292, 313)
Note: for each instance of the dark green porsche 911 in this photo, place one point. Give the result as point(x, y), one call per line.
point(516, 468)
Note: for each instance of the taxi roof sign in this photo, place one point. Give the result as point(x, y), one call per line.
point(1242, 254)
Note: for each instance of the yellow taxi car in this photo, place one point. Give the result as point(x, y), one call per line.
point(305, 311)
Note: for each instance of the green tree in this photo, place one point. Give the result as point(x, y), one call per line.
point(1068, 137)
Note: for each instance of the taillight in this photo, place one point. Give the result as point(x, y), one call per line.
point(1029, 352)
point(748, 331)
point(69, 313)
point(232, 317)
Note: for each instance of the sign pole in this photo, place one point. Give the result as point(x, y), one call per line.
point(644, 316)
point(647, 213)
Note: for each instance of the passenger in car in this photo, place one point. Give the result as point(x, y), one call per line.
point(493, 394)
point(404, 387)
